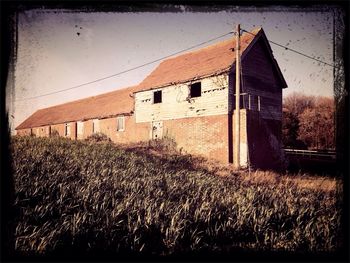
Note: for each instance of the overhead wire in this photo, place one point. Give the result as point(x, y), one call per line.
point(295, 51)
point(128, 70)
point(165, 57)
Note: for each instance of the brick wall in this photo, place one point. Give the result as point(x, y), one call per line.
point(243, 138)
point(87, 129)
point(206, 136)
point(24, 132)
point(132, 132)
point(40, 131)
point(73, 130)
point(209, 136)
point(60, 128)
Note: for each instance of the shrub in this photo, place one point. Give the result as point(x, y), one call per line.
point(98, 137)
point(165, 144)
point(54, 133)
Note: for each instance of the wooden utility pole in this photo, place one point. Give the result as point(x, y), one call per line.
point(236, 160)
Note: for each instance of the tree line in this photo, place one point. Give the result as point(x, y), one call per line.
point(308, 122)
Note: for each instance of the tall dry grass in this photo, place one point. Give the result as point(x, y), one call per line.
point(83, 197)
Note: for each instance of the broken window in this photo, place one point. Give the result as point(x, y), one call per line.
point(196, 90)
point(157, 96)
point(121, 123)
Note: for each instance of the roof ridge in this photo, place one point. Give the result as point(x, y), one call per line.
point(197, 63)
point(135, 86)
point(214, 45)
point(211, 58)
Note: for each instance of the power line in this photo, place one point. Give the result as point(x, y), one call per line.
point(162, 58)
point(125, 71)
point(295, 51)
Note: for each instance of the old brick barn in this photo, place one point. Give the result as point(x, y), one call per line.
point(190, 98)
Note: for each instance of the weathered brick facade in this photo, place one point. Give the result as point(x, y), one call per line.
point(206, 136)
point(24, 132)
point(132, 132)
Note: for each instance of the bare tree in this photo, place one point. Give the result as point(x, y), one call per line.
point(308, 122)
point(316, 125)
point(296, 102)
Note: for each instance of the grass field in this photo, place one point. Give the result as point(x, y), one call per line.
point(88, 197)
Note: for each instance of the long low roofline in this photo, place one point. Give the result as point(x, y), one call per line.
point(201, 63)
point(101, 106)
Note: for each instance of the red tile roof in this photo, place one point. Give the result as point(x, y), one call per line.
point(197, 64)
point(101, 106)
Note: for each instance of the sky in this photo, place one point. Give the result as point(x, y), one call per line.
point(60, 49)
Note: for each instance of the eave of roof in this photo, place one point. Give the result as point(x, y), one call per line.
point(226, 70)
point(274, 61)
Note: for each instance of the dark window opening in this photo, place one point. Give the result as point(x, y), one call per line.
point(196, 90)
point(157, 96)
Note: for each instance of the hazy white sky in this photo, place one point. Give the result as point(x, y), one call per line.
point(58, 50)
